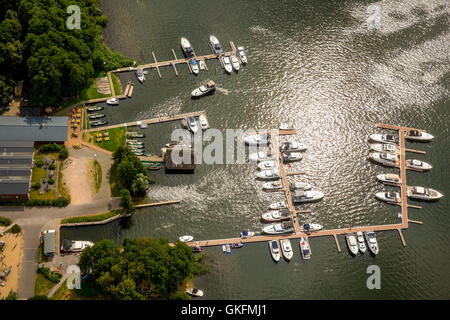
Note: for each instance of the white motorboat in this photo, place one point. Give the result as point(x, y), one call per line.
point(268, 164)
point(273, 185)
point(234, 62)
point(286, 249)
point(279, 228)
point(300, 186)
point(194, 292)
point(416, 135)
point(74, 246)
point(372, 243)
point(269, 174)
point(418, 165)
point(361, 244)
point(386, 159)
point(385, 147)
point(301, 196)
point(276, 215)
point(291, 156)
point(203, 122)
point(206, 88)
point(261, 156)
point(186, 238)
point(227, 64)
point(304, 249)
point(112, 101)
point(389, 197)
point(421, 193)
point(215, 45)
point(194, 66)
point(186, 46)
point(258, 139)
point(389, 178)
point(286, 126)
point(383, 138)
point(202, 65)
point(310, 227)
point(246, 234)
point(352, 244)
point(293, 146)
point(274, 250)
point(242, 55)
point(140, 75)
point(192, 124)
point(278, 205)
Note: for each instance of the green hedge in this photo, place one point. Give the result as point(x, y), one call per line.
point(98, 217)
point(60, 202)
point(5, 222)
point(15, 229)
point(53, 277)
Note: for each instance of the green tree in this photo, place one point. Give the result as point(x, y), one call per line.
point(140, 184)
point(125, 201)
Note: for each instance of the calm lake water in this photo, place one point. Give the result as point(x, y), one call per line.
point(316, 64)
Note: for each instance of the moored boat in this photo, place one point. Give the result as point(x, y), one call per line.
point(276, 215)
point(273, 185)
point(389, 178)
point(203, 122)
point(418, 165)
point(304, 249)
point(278, 205)
point(112, 101)
point(384, 158)
point(242, 55)
point(389, 197)
point(234, 62)
point(269, 174)
point(258, 139)
point(293, 146)
point(361, 244)
point(288, 156)
point(71, 246)
point(383, 138)
point(422, 193)
point(352, 244)
point(372, 243)
point(286, 126)
point(279, 228)
point(300, 196)
point(274, 250)
point(261, 156)
point(96, 116)
point(286, 249)
point(416, 135)
point(94, 108)
point(208, 87)
point(310, 227)
point(385, 147)
point(194, 292)
point(194, 66)
point(227, 64)
point(98, 123)
point(246, 234)
point(268, 164)
point(299, 186)
point(140, 75)
point(186, 46)
point(215, 45)
point(186, 238)
point(192, 124)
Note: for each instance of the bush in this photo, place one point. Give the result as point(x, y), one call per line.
point(51, 147)
point(181, 296)
point(15, 229)
point(39, 163)
point(51, 181)
point(11, 296)
point(52, 166)
point(60, 202)
point(5, 222)
point(36, 186)
point(53, 277)
point(63, 154)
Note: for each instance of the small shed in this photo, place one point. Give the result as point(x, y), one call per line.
point(49, 242)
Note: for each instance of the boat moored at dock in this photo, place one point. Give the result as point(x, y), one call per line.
point(194, 292)
point(278, 205)
point(304, 249)
point(418, 165)
point(416, 135)
point(422, 193)
point(227, 64)
point(96, 116)
point(389, 178)
point(242, 55)
point(234, 62)
point(385, 147)
point(71, 246)
point(192, 124)
point(246, 234)
point(361, 243)
point(274, 250)
point(140, 75)
point(389, 197)
point(204, 124)
point(279, 228)
point(268, 164)
point(112, 102)
point(215, 45)
point(186, 238)
point(301, 196)
point(261, 156)
point(292, 147)
point(286, 249)
point(94, 108)
point(384, 158)
point(352, 244)
point(186, 46)
point(299, 186)
point(194, 66)
point(372, 243)
point(383, 138)
point(269, 174)
point(98, 123)
point(276, 215)
point(272, 186)
point(310, 227)
point(258, 139)
point(291, 156)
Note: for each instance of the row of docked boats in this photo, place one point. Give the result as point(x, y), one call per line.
point(191, 124)
point(95, 118)
point(284, 248)
point(356, 243)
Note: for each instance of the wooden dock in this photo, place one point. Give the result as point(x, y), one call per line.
point(331, 232)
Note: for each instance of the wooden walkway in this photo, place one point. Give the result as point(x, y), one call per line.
point(331, 232)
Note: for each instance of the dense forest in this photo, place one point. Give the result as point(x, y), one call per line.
point(54, 61)
point(140, 269)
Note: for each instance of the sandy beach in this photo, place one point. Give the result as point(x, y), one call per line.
point(11, 257)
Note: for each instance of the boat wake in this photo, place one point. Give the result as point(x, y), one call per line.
point(223, 90)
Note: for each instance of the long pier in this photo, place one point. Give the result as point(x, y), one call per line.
point(331, 232)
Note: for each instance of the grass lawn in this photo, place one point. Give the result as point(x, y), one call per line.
point(60, 294)
point(96, 178)
point(117, 138)
point(91, 218)
point(38, 174)
point(42, 286)
point(116, 84)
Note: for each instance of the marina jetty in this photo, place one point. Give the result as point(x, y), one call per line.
point(298, 233)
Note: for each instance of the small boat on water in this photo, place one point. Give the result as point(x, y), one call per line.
point(202, 65)
point(273, 185)
point(383, 138)
point(246, 234)
point(384, 158)
point(215, 45)
point(186, 238)
point(113, 101)
point(227, 64)
point(279, 228)
point(268, 164)
point(71, 246)
point(286, 249)
point(140, 75)
point(310, 227)
point(385, 147)
point(135, 134)
point(352, 244)
point(96, 116)
point(389, 178)
point(261, 156)
point(194, 292)
point(135, 146)
point(286, 126)
point(135, 142)
point(242, 55)
point(422, 193)
point(269, 174)
point(299, 186)
point(227, 249)
point(196, 249)
point(288, 156)
point(138, 152)
point(301, 196)
point(258, 139)
point(278, 205)
point(94, 108)
point(237, 245)
point(361, 244)
point(276, 215)
point(194, 66)
point(274, 250)
point(418, 165)
point(234, 62)
point(186, 46)
point(372, 243)
point(203, 122)
point(304, 249)
point(416, 135)
point(293, 146)
point(98, 123)
point(208, 87)
point(389, 197)
point(192, 124)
